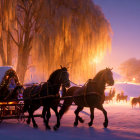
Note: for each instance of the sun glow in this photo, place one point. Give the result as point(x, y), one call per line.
point(133, 79)
point(97, 59)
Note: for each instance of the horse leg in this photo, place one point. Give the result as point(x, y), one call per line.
point(105, 115)
point(67, 103)
point(48, 115)
point(58, 118)
point(29, 119)
point(31, 111)
point(43, 114)
point(26, 108)
point(77, 116)
point(91, 116)
point(80, 119)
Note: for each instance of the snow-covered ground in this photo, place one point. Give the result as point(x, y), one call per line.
point(124, 123)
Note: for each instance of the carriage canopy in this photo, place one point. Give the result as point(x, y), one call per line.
point(6, 73)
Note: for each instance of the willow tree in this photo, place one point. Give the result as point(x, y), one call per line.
point(28, 18)
point(76, 34)
point(7, 14)
point(49, 33)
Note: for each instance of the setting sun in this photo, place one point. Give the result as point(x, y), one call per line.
point(134, 79)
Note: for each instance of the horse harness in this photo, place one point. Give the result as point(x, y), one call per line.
point(48, 86)
point(31, 96)
point(89, 90)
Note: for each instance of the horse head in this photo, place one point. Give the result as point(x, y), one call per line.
point(108, 77)
point(64, 77)
point(102, 78)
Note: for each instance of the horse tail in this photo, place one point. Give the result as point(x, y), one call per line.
point(67, 101)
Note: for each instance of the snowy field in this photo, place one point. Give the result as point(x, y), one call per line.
point(124, 123)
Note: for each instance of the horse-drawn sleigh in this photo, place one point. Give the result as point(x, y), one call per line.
point(47, 95)
point(10, 107)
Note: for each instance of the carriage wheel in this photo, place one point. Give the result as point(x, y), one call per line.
point(20, 114)
point(21, 118)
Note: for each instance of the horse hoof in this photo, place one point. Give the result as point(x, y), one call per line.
point(90, 124)
point(105, 124)
point(48, 127)
point(28, 121)
point(55, 128)
point(75, 124)
point(35, 126)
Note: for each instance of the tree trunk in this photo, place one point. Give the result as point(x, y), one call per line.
point(2, 52)
point(9, 51)
point(23, 56)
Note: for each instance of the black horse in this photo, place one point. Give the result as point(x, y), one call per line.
point(51, 87)
point(90, 95)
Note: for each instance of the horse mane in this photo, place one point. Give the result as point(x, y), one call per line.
point(99, 75)
point(98, 79)
point(54, 74)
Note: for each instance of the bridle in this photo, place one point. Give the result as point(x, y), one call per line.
point(106, 81)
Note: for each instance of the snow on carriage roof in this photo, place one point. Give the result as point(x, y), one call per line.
point(3, 69)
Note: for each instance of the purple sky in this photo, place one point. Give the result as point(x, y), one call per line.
point(124, 17)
